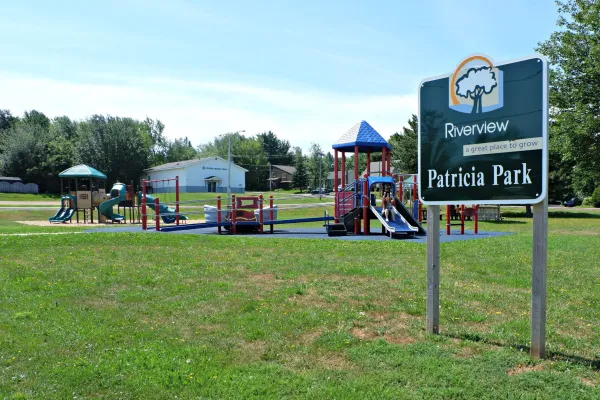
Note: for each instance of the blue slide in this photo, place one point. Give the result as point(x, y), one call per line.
point(163, 209)
point(118, 193)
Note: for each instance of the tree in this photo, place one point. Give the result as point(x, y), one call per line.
point(404, 148)
point(300, 176)
point(474, 84)
point(119, 147)
point(574, 53)
point(159, 145)
point(317, 166)
point(35, 117)
point(32, 154)
point(277, 151)
point(180, 150)
point(7, 122)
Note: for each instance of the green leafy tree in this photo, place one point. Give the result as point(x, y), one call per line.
point(574, 54)
point(26, 152)
point(7, 122)
point(119, 147)
point(159, 145)
point(35, 117)
point(180, 150)
point(404, 148)
point(300, 176)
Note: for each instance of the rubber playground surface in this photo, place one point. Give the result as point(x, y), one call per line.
point(312, 233)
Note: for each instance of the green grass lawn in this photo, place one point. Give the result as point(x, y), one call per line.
point(25, 197)
point(127, 316)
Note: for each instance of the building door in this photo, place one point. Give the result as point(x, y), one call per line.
point(212, 186)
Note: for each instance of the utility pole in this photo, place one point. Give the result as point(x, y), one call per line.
point(320, 175)
point(229, 168)
point(270, 175)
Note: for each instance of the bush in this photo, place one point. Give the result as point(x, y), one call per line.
point(596, 197)
point(587, 202)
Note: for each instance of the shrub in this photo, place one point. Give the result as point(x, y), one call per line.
point(596, 197)
point(587, 202)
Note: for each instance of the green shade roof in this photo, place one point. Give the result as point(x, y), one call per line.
point(82, 171)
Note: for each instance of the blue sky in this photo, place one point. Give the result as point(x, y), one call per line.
point(306, 70)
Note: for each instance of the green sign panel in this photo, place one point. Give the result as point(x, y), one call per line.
point(483, 134)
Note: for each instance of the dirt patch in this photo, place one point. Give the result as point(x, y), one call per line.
point(100, 304)
point(47, 223)
point(391, 327)
point(587, 382)
point(328, 360)
point(309, 337)
point(520, 369)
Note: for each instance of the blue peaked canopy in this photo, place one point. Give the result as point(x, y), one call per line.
point(362, 135)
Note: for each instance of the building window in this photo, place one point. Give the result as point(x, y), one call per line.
point(284, 176)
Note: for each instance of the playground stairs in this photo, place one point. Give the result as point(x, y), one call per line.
point(336, 230)
point(350, 217)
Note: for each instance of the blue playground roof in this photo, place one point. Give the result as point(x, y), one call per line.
point(362, 135)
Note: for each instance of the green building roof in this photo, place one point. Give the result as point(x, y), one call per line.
point(82, 171)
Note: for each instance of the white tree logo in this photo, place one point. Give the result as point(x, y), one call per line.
point(474, 84)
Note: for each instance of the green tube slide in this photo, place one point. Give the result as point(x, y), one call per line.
point(118, 193)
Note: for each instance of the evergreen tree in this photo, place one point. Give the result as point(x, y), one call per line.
point(300, 176)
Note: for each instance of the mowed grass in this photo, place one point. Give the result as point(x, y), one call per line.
point(129, 316)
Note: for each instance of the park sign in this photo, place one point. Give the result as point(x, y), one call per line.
point(483, 133)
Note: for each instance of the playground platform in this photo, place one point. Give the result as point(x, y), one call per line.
point(310, 233)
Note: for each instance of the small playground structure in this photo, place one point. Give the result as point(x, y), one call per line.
point(85, 190)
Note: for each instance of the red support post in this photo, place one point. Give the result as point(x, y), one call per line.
point(219, 213)
point(355, 163)
point(177, 199)
point(157, 213)
point(462, 219)
point(260, 212)
point(343, 169)
point(144, 216)
point(233, 229)
point(448, 219)
point(365, 204)
point(335, 187)
point(476, 220)
point(382, 172)
point(415, 188)
point(389, 163)
point(401, 188)
point(271, 211)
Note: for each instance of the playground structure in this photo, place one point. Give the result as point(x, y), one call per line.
point(86, 190)
point(354, 206)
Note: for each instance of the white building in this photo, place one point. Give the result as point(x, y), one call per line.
point(205, 175)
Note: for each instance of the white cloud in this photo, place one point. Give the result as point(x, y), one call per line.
point(201, 110)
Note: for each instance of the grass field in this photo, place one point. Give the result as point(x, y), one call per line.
point(129, 316)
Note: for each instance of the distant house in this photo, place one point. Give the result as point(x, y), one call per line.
point(281, 176)
point(376, 169)
point(349, 178)
point(208, 174)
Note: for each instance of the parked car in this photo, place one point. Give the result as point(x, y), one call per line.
point(572, 202)
point(320, 190)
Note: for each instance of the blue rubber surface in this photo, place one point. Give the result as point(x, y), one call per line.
point(310, 233)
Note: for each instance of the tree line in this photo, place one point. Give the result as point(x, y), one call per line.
point(37, 148)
